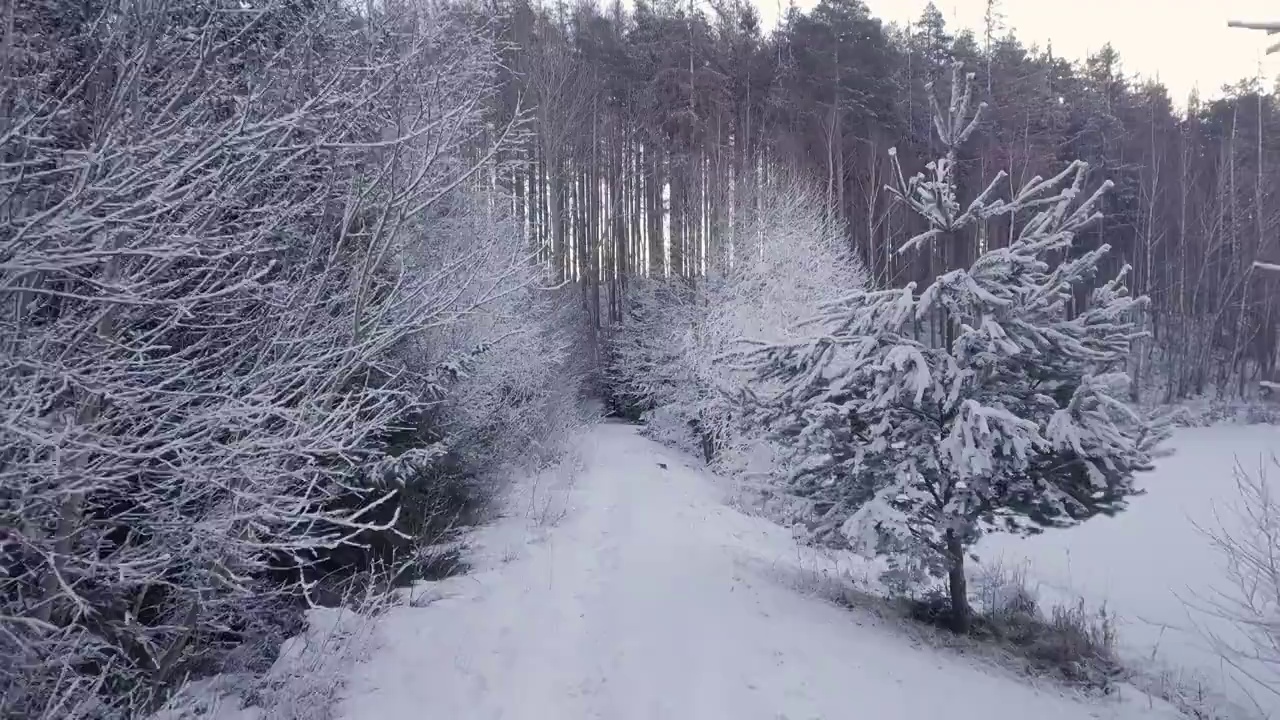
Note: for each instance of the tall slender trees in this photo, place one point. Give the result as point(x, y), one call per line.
point(654, 126)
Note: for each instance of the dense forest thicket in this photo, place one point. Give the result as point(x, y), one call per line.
point(267, 337)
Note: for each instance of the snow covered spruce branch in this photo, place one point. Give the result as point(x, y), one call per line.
point(225, 253)
point(1012, 418)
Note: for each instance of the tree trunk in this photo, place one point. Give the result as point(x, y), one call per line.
point(957, 585)
point(657, 261)
point(559, 248)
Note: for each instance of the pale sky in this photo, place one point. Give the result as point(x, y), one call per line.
point(1186, 43)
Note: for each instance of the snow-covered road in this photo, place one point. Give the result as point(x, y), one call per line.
point(652, 599)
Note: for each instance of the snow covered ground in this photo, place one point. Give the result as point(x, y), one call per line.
point(1152, 564)
point(636, 592)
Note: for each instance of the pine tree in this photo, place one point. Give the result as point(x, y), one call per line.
point(1015, 419)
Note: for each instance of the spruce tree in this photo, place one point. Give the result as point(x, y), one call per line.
point(1013, 416)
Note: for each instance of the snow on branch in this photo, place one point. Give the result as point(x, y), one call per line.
point(932, 194)
point(1014, 417)
point(672, 361)
point(233, 264)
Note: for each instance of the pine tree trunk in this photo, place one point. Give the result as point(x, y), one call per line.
point(657, 261)
point(675, 181)
point(957, 585)
point(559, 249)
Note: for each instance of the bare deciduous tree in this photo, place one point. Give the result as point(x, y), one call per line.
point(1248, 540)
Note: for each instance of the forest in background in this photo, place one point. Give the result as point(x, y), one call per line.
point(652, 127)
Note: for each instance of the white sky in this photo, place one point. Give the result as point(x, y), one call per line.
point(1186, 43)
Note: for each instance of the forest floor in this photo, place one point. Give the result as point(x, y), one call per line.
point(630, 589)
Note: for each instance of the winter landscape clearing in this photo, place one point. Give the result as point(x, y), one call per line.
point(1154, 566)
point(653, 599)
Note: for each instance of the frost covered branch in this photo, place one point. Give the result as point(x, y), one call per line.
point(1248, 540)
point(670, 360)
point(238, 274)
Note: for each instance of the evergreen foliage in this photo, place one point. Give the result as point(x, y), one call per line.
point(1019, 418)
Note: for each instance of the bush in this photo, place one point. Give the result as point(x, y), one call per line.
point(278, 344)
point(1247, 539)
point(1071, 644)
point(664, 364)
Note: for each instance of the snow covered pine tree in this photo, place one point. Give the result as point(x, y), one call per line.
point(1013, 419)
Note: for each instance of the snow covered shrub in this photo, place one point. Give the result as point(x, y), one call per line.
point(510, 375)
point(788, 251)
point(783, 252)
point(305, 681)
point(1013, 418)
point(1207, 411)
point(646, 358)
point(1073, 643)
point(218, 255)
point(501, 372)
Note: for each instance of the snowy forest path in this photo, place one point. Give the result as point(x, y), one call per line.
point(652, 599)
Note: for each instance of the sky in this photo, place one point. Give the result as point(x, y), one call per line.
point(1185, 43)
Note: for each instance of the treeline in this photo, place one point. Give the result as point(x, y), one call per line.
point(651, 128)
